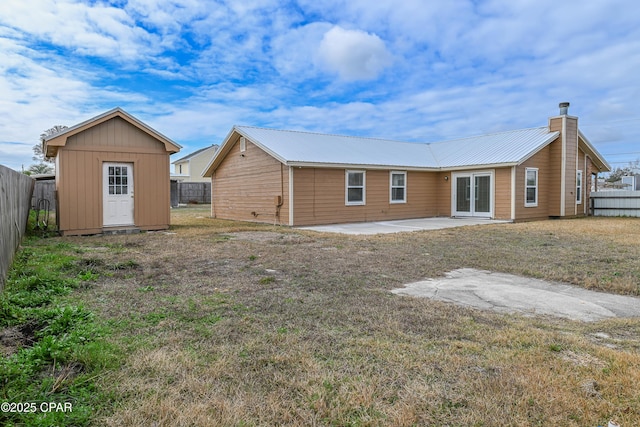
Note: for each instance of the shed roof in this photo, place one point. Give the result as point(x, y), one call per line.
point(53, 142)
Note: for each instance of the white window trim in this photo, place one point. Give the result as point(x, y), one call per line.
point(346, 188)
point(391, 186)
point(537, 187)
point(580, 187)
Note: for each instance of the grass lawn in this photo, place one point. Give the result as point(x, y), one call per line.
point(234, 324)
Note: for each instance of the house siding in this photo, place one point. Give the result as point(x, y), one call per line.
point(198, 164)
point(195, 166)
point(555, 167)
point(571, 208)
point(79, 177)
point(502, 197)
point(564, 152)
point(443, 196)
point(541, 161)
point(245, 185)
point(319, 197)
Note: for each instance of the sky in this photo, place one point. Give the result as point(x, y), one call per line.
point(407, 70)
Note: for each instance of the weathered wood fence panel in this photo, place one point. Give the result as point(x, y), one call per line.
point(44, 190)
point(190, 192)
point(15, 200)
point(615, 203)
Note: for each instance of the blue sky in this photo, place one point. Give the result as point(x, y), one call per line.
point(410, 70)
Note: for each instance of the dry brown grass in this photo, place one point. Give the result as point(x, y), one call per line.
point(244, 324)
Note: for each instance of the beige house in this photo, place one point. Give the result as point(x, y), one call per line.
point(190, 168)
point(301, 178)
point(112, 174)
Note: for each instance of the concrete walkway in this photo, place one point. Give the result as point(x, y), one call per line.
point(399, 226)
point(507, 293)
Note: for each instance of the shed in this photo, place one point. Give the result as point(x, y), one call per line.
point(112, 175)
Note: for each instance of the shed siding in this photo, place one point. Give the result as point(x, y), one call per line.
point(319, 197)
point(115, 134)
point(79, 177)
point(245, 185)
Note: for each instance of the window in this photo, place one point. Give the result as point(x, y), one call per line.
point(579, 187)
point(118, 180)
point(531, 187)
point(180, 166)
point(355, 189)
point(398, 190)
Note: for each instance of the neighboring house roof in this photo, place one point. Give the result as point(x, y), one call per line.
point(53, 142)
point(194, 154)
point(297, 148)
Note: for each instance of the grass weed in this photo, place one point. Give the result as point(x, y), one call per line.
point(226, 323)
point(52, 349)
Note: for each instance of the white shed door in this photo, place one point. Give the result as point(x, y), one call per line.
point(117, 190)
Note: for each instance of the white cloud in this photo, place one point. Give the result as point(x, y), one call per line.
point(353, 54)
point(95, 30)
point(294, 51)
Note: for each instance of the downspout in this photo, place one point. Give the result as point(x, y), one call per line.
point(213, 204)
point(513, 193)
point(291, 222)
point(280, 198)
point(576, 174)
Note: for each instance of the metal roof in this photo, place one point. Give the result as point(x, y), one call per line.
point(512, 147)
point(315, 148)
point(296, 147)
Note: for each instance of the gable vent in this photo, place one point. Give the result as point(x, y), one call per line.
point(243, 144)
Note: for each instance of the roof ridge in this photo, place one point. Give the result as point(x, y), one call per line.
point(330, 134)
point(489, 134)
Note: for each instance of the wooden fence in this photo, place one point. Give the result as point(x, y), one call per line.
point(190, 193)
point(15, 201)
point(44, 190)
point(615, 203)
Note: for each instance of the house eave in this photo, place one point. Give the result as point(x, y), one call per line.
point(225, 148)
point(600, 162)
point(479, 166)
point(324, 165)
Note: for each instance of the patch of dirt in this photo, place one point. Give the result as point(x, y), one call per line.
point(14, 338)
point(585, 360)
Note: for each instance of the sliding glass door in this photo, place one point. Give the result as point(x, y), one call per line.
point(472, 194)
